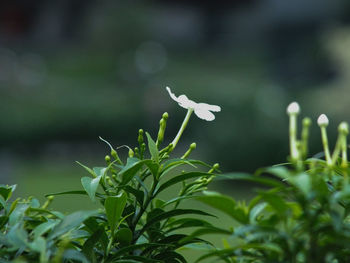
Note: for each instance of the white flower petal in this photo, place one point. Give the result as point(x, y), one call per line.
point(186, 102)
point(204, 114)
point(172, 95)
point(209, 107)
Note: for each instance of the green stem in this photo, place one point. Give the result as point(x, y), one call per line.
point(325, 145)
point(182, 128)
point(294, 154)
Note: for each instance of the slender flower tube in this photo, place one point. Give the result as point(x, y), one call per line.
point(293, 111)
point(344, 130)
point(323, 122)
point(305, 137)
point(202, 110)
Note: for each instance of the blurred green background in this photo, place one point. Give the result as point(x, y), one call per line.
point(71, 71)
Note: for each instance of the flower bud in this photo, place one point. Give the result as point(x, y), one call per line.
point(343, 128)
point(293, 108)
point(306, 122)
point(188, 152)
point(140, 137)
point(165, 116)
point(322, 120)
point(107, 159)
point(131, 153)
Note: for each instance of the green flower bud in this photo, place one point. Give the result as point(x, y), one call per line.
point(140, 137)
point(165, 116)
point(109, 181)
point(191, 148)
point(131, 153)
point(137, 152)
point(162, 127)
point(107, 159)
point(343, 128)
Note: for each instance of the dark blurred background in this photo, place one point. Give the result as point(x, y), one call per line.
point(71, 71)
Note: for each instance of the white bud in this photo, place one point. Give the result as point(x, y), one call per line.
point(322, 120)
point(293, 108)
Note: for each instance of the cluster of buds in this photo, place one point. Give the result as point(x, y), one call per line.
point(299, 148)
point(341, 144)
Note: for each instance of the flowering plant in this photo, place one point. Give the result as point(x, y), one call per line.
point(302, 213)
point(135, 222)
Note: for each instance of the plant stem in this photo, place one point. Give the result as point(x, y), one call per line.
point(182, 128)
point(294, 153)
point(325, 145)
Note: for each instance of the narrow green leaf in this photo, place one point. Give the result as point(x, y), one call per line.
point(250, 178)
point(90, 185)
point(87, 169)
point(17, 214)
point(71, 222)
point(139, 195)
point(80, 192)
point(223, 203)
point(114, 206)
point(152, 148)
point(172, 213)
point(44, 227)
point(126, 250)
point(71, 254)
point(180, 178)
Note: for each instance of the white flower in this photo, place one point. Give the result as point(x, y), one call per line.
point(202, 110)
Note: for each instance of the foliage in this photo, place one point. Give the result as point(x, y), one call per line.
point(302, 213)
point(134, 223)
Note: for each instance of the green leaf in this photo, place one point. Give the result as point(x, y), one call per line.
point(71, 222)
point(90, 185)
point(17, 236)
point(180, 178)
point(17, 214)
point(71, 254)
point(279, 171)
point(44, 227)
point(126, 250)
point(79, 192)
point(124, 236)
point(88, 247)
point(172, 213)
point(87, 169)
point(114, 206)
point(185, 223)
point(255, 211)
point(276, 202)
point(205, 231)
point(250, 178)
point(170, 256)
point(100, 171)
point(152, 148)
point(224, 204)
point(6, 191)
point(39, 245)
point(139, 195)
point(133, 165)
point(303, 182)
